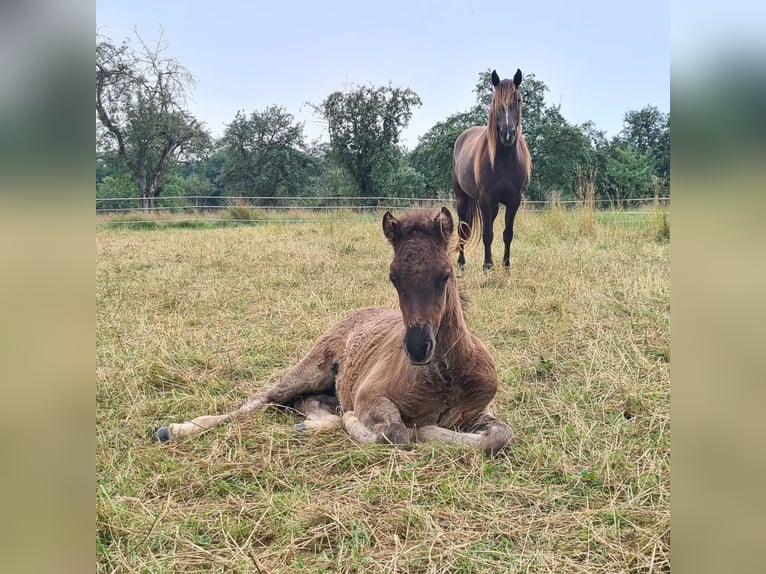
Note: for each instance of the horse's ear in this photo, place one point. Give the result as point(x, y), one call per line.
point(390, 226)
point(495, 78)
point(517, 78)
point(444, 223)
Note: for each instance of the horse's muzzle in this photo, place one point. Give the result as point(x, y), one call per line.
point(419, 344)
point(508, 137)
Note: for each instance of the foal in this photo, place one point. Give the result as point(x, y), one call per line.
point(394, 376)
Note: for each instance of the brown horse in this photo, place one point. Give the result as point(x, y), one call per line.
point(392, 376)
point(485, 174)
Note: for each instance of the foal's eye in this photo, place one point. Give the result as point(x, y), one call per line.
point(445, 278)
point(392, 278)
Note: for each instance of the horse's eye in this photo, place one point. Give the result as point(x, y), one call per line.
point(392, 278)
point(445, 278)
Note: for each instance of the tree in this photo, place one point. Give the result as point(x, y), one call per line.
point(628, 174)
point(365, 124)
point(561, 149)
point(647, 131)
point(140, 109)
point(265, 155)
point(433, 155)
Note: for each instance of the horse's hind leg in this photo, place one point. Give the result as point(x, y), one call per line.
point(315, 373)
point(322, 412)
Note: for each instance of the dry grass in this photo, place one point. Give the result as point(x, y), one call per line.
point(190, 321)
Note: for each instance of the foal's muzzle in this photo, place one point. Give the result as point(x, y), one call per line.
point(419, 344)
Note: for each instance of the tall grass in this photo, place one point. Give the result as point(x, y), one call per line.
point(191, 321)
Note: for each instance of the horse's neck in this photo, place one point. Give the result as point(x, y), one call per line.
point(511, 155)
point(513, 162)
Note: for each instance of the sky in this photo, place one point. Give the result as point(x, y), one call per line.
point(599, 59)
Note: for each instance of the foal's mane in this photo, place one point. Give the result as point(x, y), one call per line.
point(501, 97)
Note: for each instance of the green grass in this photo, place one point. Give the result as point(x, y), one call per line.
point(191, 321)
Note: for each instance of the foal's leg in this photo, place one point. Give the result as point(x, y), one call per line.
point(510, 215)
point(488, 215)
point(313, 374)
point(433, 433)
point(495, 434)
point(322, 413)
point(378, 420)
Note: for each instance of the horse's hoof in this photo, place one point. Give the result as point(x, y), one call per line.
point(301, 426)
point(162, 435)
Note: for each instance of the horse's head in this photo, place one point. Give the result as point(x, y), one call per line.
point(505, 109)
point(420, 272)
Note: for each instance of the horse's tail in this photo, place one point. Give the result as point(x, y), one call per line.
point(469, 214)
point(472, 219)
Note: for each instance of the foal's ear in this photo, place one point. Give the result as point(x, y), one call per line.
point(517, 78)
point(444, 223)
point(495, 78)
point(390, 226)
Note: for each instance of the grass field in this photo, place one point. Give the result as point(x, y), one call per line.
point(191, 321)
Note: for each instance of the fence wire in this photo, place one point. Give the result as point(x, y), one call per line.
point(301, 209)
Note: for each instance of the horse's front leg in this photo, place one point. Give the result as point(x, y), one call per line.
point(495, 434)
point(488, 216)
point(510, 216)
point(376, 419)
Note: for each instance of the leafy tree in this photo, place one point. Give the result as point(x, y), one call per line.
point(264, 155)
point(114, 182)
point(406, 181)
point(432, 157)
point(141, 114)
point(628, 174)
point(647, 131)
point(561, 149)
point(364, 125)
point(211, 168)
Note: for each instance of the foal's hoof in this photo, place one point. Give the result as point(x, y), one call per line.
point(162, 435)
point(301, 426)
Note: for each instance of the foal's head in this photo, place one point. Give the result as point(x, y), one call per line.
point(420, 271)
point(505, 109)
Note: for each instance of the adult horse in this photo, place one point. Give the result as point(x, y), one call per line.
point(485, 174)
point(394, 376)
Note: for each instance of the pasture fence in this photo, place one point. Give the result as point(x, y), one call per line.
point(255, 209)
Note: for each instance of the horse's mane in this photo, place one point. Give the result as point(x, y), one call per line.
point(487, 143)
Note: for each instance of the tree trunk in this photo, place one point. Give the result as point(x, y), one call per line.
point(143, 187)
point(148, 191)
point(152, 193)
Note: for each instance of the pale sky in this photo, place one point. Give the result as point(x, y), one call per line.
point(598, 58)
